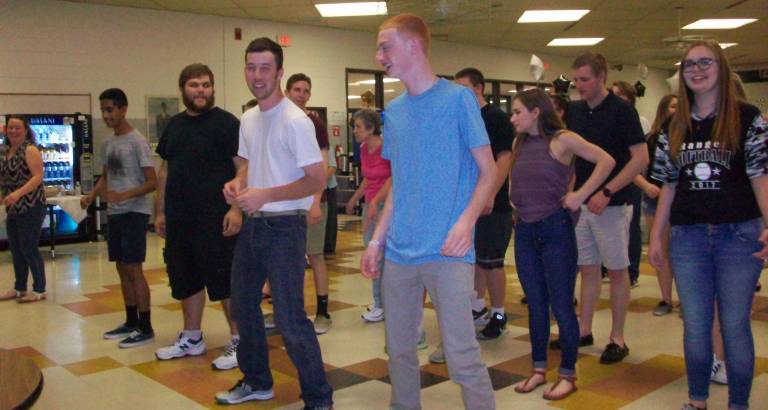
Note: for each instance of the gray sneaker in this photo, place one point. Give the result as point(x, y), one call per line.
point(662, 309)
point(322, 324)
point(269, 321)
point(243, 392)
point(437, 357)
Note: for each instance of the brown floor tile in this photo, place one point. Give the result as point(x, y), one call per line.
point(633, 382)
point(40, 359)
point(99, 364)
point(373, 368)
point(90, 308)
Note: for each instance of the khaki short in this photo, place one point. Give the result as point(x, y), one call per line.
point(316, 233)
point(604, 238)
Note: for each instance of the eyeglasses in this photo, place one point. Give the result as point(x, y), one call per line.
point(703, 63)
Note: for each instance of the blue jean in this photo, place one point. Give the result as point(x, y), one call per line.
point(23, 238)
point(635, 235)
point(714, 264)
point(273, 248)
point(367, 235)
point(546, 254)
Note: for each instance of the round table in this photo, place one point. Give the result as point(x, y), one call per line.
point(20, 381)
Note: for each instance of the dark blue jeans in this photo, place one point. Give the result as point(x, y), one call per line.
point(546, 256)
point(23, 238)
point(715, 263)
point(273, 248)
point(635, 234)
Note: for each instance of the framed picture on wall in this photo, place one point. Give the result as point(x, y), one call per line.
point(160, 109)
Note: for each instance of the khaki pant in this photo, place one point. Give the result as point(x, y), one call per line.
point(450, 286)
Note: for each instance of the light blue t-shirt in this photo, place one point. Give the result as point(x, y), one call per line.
point(429, 138)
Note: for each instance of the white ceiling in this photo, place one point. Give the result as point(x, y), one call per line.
point(634, 30)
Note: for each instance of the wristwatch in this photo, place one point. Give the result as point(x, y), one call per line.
point(607, 192)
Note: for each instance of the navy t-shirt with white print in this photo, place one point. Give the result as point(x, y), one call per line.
point(713, 185)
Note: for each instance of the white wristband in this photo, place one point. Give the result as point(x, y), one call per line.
point(376, 243)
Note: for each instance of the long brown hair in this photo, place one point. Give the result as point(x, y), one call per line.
point(662, 114)
point(728, 122)
point(549, 123)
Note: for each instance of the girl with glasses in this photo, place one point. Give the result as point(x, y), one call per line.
point(712, 158)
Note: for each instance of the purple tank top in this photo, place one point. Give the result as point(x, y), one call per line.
point(538, 181)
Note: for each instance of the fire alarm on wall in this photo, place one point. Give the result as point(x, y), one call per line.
point(284, 40)
point(238, 33)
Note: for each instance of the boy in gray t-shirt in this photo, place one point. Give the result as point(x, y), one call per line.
point(128, 176)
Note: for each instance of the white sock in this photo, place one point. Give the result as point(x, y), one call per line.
point(497, 310)
point(478, 304)
point(192, 334)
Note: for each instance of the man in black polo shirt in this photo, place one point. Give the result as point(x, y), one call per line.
point(602, 232)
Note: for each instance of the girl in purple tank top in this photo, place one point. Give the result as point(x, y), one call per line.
point(545, 240)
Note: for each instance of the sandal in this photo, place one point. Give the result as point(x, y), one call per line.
point(548, 394)
point(520, 388)
point(11, 294)
point(32, 297)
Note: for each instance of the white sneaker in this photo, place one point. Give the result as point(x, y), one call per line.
point(269, 321)
point(228, 359)
point(718, 375)
point(374, 315)
point(437, 357)
point(243, 392)
point(183, 346)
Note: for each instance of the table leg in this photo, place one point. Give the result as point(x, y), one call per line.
point(52, 224)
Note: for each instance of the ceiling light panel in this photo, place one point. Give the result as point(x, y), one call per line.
point(551, 16)
point(569, 42)
point(718, 24)
point(371, 8)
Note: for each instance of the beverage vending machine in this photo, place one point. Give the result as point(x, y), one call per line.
point(66, 145)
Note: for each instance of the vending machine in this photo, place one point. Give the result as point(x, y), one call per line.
point(66, 144)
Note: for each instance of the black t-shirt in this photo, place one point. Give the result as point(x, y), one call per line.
point(652, 142)
point(713, 185)
point(199, 151)
point(501, 134)
point(614, 126)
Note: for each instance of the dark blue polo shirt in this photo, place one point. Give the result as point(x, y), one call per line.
point(614, 126)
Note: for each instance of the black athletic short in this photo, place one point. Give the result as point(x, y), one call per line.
point(492, 235)
point(127, 237)
point(198, 256)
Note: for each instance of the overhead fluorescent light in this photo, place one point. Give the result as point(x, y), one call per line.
point(353, 97)
point(370, 8)
point(512, 91)
point(371, 82)
point(677, 64)
point(726, 45)
point(551, 16)
point(565, 42)
point(718, 24)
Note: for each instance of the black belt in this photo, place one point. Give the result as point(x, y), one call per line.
point(271, 214)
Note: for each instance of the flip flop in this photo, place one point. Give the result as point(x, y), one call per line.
point(561, 396)
point(521, 388)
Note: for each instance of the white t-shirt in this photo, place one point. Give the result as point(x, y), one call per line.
point(277, 143)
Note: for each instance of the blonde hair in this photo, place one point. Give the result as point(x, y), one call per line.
point(411, 25)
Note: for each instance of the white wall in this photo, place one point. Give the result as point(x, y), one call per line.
point(62, 47)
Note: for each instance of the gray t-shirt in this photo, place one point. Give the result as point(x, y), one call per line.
point(125, 156)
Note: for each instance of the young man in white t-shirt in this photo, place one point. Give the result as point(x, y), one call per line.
point(279, 168)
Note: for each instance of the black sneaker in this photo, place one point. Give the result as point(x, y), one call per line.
point(120, 332)
point(614, 353)
point(137, 338)
point(587, 340)
point(496, 327)
point(480, 317)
